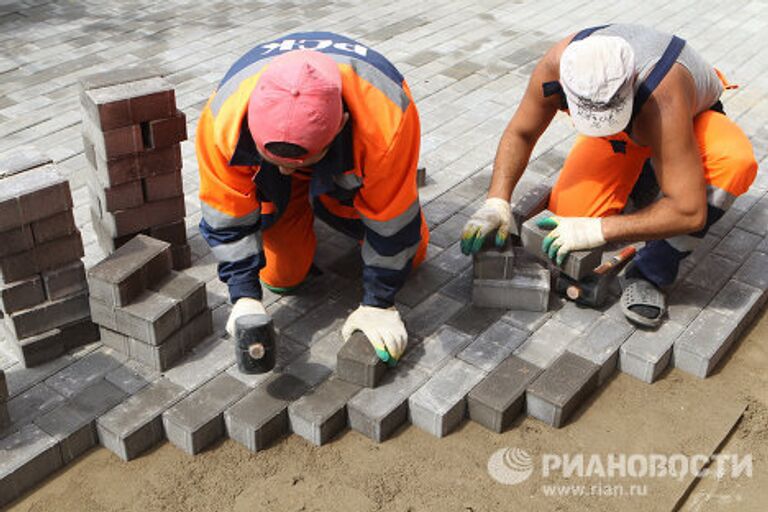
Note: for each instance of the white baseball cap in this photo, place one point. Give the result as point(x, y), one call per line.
point(598, 75)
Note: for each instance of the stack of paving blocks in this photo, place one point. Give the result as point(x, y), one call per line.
point(144, 309)
point(43, 291)
point(4, 418)
point(132, 132)
point(509, 279)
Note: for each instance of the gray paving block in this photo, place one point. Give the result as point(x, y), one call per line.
point(357, 362)
point(440, 405)
point(493, 346)
point(198, 420)
point(754, 271)
point(322, 413)
point(449, 232)
point(577, 317)
point(577, 265)
point(29, 456)
point(261, 416)
point(739, 301)
point(527, 320)
point(686, 301)
point(98, 398)
point(500, 397)
point(188, 291)
point(473, 320)
point(320, 321)
point(135, 426)
point(21, 379)
point(646, 354)
point(127, 272)
point(151, 318)
point(737, 244)
point(35, 350)
point(561, 388)
point(712, 272)
point(425, 318)
point(600, 344)
point(527, 290)
point(547, 343)
point(319, 362)
point(21, 295)
point(494, 264)
point(102, 314)
point(25, 407)
point(529, 198)
point(698, 350)
point(756, 219)
point(85, 372)
point(437, 349)
point(127, 379)
point(116, 341)
point(74, 431)
point(378, 412)
point(459, 288)
point(32, 195)
point(47, 316)
point(202, 364)
point(422, 283)
point(65, 281)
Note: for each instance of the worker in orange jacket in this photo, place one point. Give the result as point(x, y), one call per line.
point(312, 124)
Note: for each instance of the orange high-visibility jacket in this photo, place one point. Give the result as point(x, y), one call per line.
point(369, 173)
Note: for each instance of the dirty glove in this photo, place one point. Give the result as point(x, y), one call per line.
point(244, 306)
point(570, 234)
point(494, 215)
point(383, 328)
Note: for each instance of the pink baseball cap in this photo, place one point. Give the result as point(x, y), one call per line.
point(297, 100)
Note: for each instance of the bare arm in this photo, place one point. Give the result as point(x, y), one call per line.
point(665, 124)
point(532, 117)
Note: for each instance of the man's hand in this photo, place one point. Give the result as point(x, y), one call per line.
point(494, 215)
point(244, 306)
point(570, 234)
point(383, 328)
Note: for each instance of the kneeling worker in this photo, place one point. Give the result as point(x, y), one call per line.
point(648, 112)
point(312, 124)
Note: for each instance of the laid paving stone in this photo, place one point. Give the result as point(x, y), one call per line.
point(712, 272)
point(737, 244)
point(197, 421)
point(547, 343)
point(440, 405)
point(322, 413)
point(493, 346)
point(753, 271)
point(706, 340)
point(561, 388)
point(646, 354)
point(357, 362)
point(600, 344)
point(459, 288)
point(577, 317)
point(378, 412)
point(29, 456)
point(686, 301)
point(449, 232)
point(500, 397)
point(88, 370)
point(319, 362)
point(756, 219)
point(135, 426)
point(437, 349)
point(320, 321)
point(527, 320)
point(739, 301)
point(25, 407)
point(425, 318)
point(261, 416)
point(425, 281)
point(126, 379)
point(97, 398)
point(74, 431)
point(205, 362)
point(473, 320)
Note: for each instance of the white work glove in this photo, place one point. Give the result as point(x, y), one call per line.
point(244, 306)
point(383, 328)
point(570, 234)
point(494, 215)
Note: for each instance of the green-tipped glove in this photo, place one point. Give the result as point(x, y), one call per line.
point(570, 234)
point(384, 329)
point(495, 216)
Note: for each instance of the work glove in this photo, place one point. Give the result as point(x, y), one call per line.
point(570, 234)
point(383, 328)
point(494, 215)
point(243, 306)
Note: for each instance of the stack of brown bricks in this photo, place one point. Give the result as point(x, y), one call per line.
point(5, 419)
point(146, 310)
point(43, 290)
point(132, 132)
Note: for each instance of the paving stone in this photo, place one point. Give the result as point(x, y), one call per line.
point(686, 301)
point(378, 412)
point(577, 265)
point(317, 363)
point(528, 290)
point(136, 220)
point(646, 354)
point(198, 420)
point(739, 301)
point(322, 413)
point(135, 426)
point(168, 131)
point(500, 397)
point(527, 320)
point(547, 343)
point(321, 321)
point(205, 362)
point(261, 416)
point(117, 76)
point(426, 280)
point(576, 316)
point(29, 456)
point(436, 350)
point(98, 398)
point(737, 244)
point(473, 320)
point(133, 167)
point(357, 362)
point(85, 372)
point(47, 316)
point(600, 344)
point(494, 264)
point(126, 379)
point(20, 159)
point(43, 257)
point(32, 195)
point(712, 272)
point(54, 227)
point(21, 295)
point(440, 405)
point(174, 233)
point(15, 240)
point(127, 272)
point(754, 271)
point(756, 219)
point(151, 318)
point(459, 288)
point(449, 232)
point(26, 406)
point(162, 186)
point(560, 389)
point(114, 198)
point(493, 346)
point(115, 106)
point(74, 431)
point(430, 314)
point(65, 281)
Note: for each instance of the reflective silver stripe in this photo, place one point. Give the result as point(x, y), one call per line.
point(347, 181)
point(220, 220)
point(391, 89)
point(397, 262)
point(719, 198)
point(228, 88)
point(236, 251)
point(393, 226)
point(684, 243)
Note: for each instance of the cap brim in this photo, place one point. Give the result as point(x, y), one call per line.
point(605, 123)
